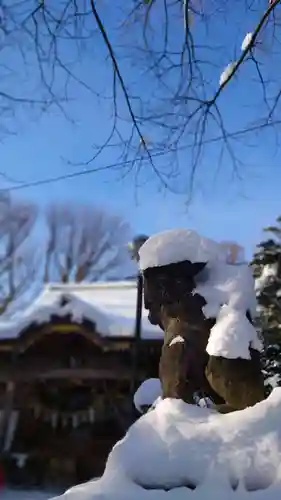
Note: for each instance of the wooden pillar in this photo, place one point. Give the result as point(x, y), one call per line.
point(8, 405)
point(6, 413)
point(137, 336)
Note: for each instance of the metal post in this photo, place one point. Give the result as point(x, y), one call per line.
point(279, 266)
point(134, 249)
point(137, 336)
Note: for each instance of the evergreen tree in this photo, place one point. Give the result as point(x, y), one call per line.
point(267, 271)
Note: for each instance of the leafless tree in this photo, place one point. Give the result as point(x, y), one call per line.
point(83, 243)
point(162, 85)
point(18, 264)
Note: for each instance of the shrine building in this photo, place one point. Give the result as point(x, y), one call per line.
point(67, 378)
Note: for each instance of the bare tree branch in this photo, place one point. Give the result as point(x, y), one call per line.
point(84, 243)
point(160, 62)
point(18, 264)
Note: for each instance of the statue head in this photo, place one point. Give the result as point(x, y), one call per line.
point(169, 293)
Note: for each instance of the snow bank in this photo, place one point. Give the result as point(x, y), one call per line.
point(24, 495)
point(228, 288)
point(178, 447)
point(148, 392)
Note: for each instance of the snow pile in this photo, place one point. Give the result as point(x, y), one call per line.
point(177, 245)
point(148, 392)
point(178, 448)
point(24, 495)
point(229, 284)
point(228, 288)
point(239, 335)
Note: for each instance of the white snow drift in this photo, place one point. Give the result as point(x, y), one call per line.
point(148, 392)
point(177, 447)
point(23, 495)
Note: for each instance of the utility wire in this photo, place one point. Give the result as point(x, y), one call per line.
point(49, 180)
point(88, 171)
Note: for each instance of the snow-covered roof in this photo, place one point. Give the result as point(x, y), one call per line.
point(111, 306)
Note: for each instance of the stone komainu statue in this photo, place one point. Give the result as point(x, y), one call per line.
point(185, 367)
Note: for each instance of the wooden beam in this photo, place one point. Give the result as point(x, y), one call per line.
point(59, 326)
point(5, 347)
point(88, 373)
point(68, 373)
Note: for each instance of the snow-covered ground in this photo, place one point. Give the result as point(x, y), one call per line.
point(179, 450)
point(24, 495)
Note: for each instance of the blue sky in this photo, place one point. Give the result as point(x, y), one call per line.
point(222, 207)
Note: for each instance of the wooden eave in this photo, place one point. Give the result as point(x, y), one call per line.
point(31, 375)
point(64, 325)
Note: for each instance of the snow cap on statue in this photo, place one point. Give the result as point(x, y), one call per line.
point(177, 245)
point(226, 284)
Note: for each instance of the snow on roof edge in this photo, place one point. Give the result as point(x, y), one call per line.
point(111, 306)
point(90, 286)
